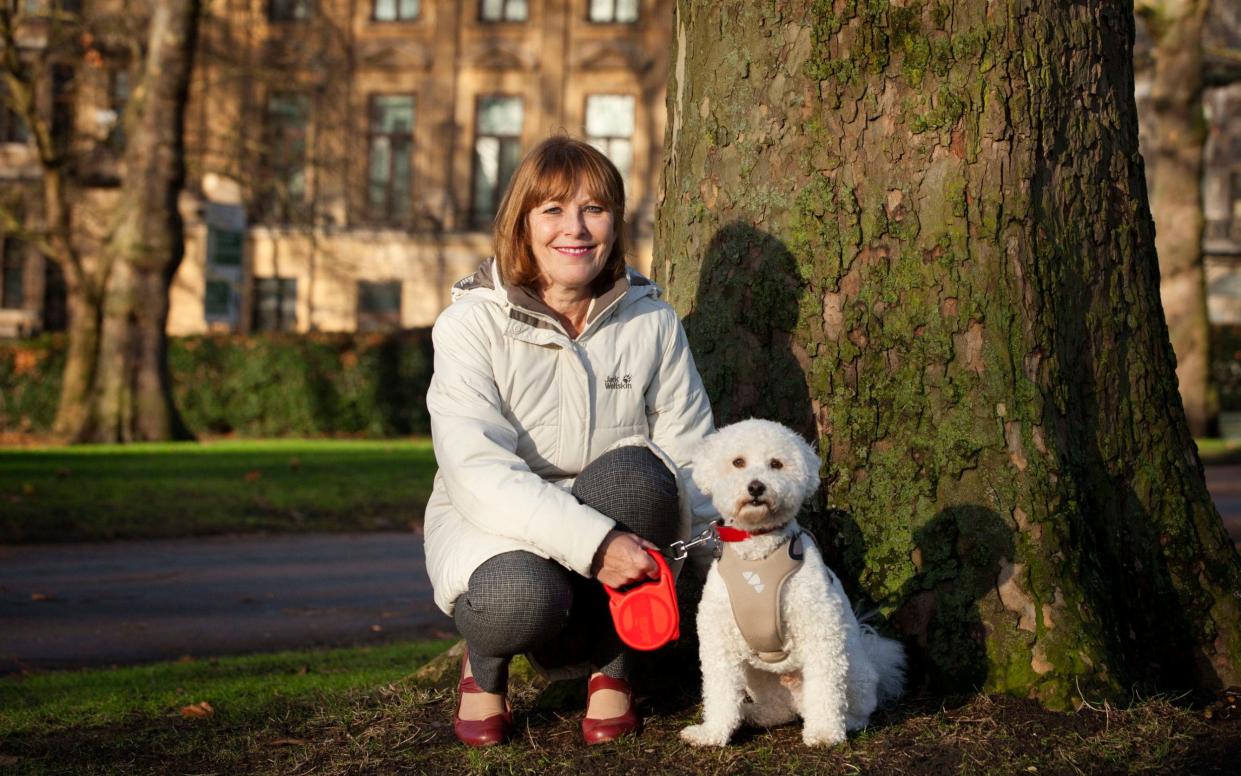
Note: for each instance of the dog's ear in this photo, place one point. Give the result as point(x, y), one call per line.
point(702, 462)
point(809, 463)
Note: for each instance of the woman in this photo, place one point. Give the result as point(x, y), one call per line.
point(564, 407)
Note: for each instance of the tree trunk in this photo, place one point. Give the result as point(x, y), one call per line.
point(1177, 134)
point(920, 233)
point(132, 396)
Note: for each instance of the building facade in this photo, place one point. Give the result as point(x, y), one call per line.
point(345, 157)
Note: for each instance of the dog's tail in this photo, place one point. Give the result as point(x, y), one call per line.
point(888, 657)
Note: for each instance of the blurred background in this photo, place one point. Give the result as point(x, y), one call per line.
point(343, 160)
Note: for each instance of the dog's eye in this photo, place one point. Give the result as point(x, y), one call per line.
point(776, 463)
point(739, 463)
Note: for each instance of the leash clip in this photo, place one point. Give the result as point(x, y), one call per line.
point(679, 550)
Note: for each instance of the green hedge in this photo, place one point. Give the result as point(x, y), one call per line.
point(262, 385)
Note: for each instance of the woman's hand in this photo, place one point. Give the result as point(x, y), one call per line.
point(622, 560)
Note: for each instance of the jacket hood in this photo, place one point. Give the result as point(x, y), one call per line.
point(526, 307)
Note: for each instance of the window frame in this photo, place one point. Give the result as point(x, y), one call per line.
point(389, 216)
point(278, 172)
point(272, 5)
point(398, 19)
point(474, 220)
point(13, 129)
point(283, 284)
point(637, 11)
point(13, 254)
point(589, 138)
point(503, 19)
point(378, 320)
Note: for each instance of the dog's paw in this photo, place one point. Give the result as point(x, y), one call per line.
point(823, 735)
point(702, 735)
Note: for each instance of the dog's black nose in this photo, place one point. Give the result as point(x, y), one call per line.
point(756, 488)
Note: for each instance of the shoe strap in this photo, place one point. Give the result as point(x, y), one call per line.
point(467, 684)
point(605, 682)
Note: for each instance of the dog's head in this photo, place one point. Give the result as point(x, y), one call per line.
point(757, 473)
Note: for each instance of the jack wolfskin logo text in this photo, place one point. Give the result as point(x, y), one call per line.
point(615, 383)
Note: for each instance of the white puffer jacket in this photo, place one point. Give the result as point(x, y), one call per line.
point(518, 409)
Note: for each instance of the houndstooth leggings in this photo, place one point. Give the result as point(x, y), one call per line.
point(518, 602)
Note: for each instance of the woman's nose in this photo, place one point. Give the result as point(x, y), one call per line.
point(575, 224)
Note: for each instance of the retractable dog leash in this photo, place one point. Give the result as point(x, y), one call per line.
point(646, 614)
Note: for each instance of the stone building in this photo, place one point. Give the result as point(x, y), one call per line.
point(1221, 178)
point(345, 157)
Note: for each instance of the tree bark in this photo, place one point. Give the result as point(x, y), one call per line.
point(1178, 132)
point(115, 386)
point(920, 233)
point(132, 400)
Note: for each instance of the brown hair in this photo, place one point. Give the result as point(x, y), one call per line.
point(554, 169)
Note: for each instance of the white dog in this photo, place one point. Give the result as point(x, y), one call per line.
point(774, 622)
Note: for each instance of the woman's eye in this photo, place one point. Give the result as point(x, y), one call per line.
point(739, 463)
point(594, 209)
point(776, 463)
point(553, 210)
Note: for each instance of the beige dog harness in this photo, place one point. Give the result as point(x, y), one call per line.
point(754, 588)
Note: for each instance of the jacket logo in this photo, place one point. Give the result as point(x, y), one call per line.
point(615, 383)
point(752, 578)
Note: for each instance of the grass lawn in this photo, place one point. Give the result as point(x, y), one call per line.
point(1219, 451)
point(367, 711)
point(57, 494)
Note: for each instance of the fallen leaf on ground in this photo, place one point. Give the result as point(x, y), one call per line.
point(197, 710)
point(376, 628)
point(40, 597)
point(8, 759)
point(186, 659)
point(289, 742)
point(254, 475)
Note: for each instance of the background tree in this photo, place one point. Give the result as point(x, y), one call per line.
point(119, 244)
point(1177, 132)
point(920, 233)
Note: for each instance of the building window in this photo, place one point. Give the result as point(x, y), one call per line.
point(396, 10)
point(618, 11)
point(275, 304)
point(609, 127)
point(118, 97)
point(379, 305)
point(288, 10)
point(13, 276)
point(283, 191)
point(388, 182)
point(502, 10)
point(497, 150)
point(224, 247)
point(12, 128)
point(218, 300)
point(64, 95)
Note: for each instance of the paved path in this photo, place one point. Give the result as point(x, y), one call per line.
point(127, 602)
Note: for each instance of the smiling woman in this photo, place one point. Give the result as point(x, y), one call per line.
point(564, 408)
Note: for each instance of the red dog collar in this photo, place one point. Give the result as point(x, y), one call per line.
point(730, 534)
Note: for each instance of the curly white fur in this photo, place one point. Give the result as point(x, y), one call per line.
point(837, 670)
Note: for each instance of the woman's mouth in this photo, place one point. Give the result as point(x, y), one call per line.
point(574, 250)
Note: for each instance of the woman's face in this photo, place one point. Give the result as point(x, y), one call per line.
point(571, 240)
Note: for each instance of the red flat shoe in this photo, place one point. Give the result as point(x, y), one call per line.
point(601, 731)
point(478, 732)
